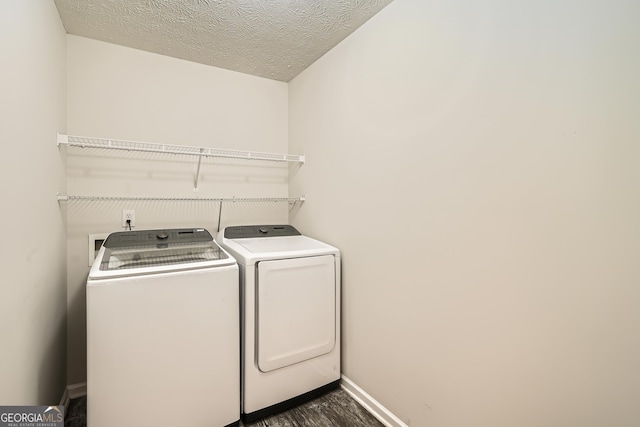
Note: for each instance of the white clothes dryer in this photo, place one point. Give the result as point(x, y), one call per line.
point(290, 311)
point(163, 331)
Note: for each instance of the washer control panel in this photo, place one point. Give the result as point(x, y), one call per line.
point(139, 238)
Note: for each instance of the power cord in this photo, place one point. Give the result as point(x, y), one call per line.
point(129, 224)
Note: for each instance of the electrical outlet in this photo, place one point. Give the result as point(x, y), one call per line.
point(128, 215)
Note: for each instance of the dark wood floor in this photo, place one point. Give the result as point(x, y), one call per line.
point(334, 409)
point(75, 415)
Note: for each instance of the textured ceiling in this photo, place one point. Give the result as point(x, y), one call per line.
point(276, 39)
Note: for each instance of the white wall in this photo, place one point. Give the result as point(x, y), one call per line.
point(477, 163)
point(122, 93)
point(33, 261)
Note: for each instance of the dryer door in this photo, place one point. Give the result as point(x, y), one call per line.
point(296, 310)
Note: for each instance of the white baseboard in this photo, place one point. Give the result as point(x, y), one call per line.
point(383, 415)
point(77, 390)
point(73, 391)
point(64, 401)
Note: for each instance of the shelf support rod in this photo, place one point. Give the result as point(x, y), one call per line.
point(219, 215)
point(198, 170)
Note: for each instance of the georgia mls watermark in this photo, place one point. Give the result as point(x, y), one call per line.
point(31, 416)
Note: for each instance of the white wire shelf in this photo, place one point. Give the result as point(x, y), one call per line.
point(199, 152)
point(65, 198)
point(149, 147)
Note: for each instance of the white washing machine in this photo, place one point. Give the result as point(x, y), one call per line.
point(163, 331)
point(290, 298)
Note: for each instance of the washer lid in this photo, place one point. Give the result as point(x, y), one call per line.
point(152, 251)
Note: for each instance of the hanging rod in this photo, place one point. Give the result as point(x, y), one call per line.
point(63, 197)
point(148, 147)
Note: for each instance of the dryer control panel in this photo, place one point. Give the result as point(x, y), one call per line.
point(252, 231)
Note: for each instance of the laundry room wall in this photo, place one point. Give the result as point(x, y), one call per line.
point(122, 93)
point(477, 164)
point(33, 289)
